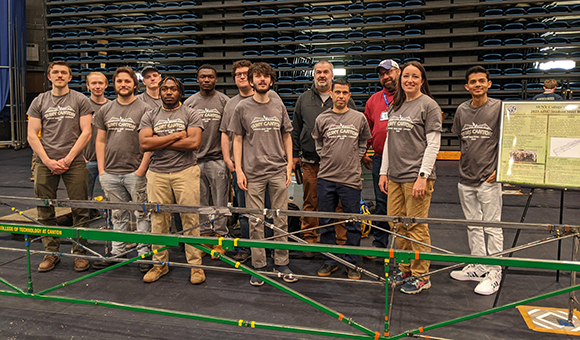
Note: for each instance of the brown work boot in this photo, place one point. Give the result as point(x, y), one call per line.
point(210, 246)
point(81, 264)
point(197, 276)
point(155, 273)
point(48, 263)
point(218, 249)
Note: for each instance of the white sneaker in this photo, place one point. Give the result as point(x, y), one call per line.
point(490, 284)
point(470, 272)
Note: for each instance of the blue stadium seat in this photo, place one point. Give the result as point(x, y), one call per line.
point(143, 56)
point(535, 41)
point(533, 71)
point(393, 18)
point(187, 3)
point(285, 78)
point(359, 103)
point(158, 43)
point(189, 42)
point(393, 47)
point(495, 87)
point(285, 38)
point(356, 21)
point(412, 47)
point(354, 63)
point(142, 18)
point(513, 87)
point(302, 65)
point(302, 23)
point(285, 52)
point(251, 40)
point(355, 76)
point(284, 91)
point(190, 81)
point(513, 56)
point(337, 8)
point(413, 32)
point(376, 5)
point(575, 40)
point(268, 39)
point(494, 72)
point(515, 11)
point(110, 8)
point(69, 10)
point(337, 22)
point(355, 49)
point(173, 42)
point(534, 86)
point(268, 53)
point(514, 26)
point(57, 58)
point(129, 44)
point(355, 7)
point(372, 62)
point(374, 48)
point(558, 24)
point(128, 32)
point(171, 4)
point(558, 55)
point(319, 9)
point(97, 8)
point(189, 29)
point(492, 42)
point(557, 41)
point(413, 3)
point(492, 57)
point(374, 34)
point(575, 8)
point(492, 27)
point(85, 34)
point(371, 76)
point(285, 65)
point(559, 9)
point(157, 18)
point(113, 32)
point(413, 17)
point(126, 7)
point(251, 27)
point(113, 20)
point(355, 35)
point(337, 36)
point(98, 57)
point(142, 30)
point(71, 34)
point(406, 60)
point(302, 37)
point(337, 50)
point(537, 10)
point(375, 19)
point(319, 22)
point(70, 22)
point(55, 10)
point(393, 33)
point(285, 11)
point(299, 90)
point(285, 24)
point(268, 11)
point(251, 13)
point(536, 26)
point(190, 68)
point(56, 35)
point(172, 17)
point(156, 5)
point(114, 57)
point(58, 47)
point(127, 19)
point(338, 63)
point(302, 10)
point(513, 42)
point(82, 22)
point(319, 37)
point(158, 56)
point(188, 16)
point(86, 70)
point(492, 12)
point(129, 56)
point(357, 90)
point(513, 71)
point(301, 51)
point(535, 56)
point(83, 9)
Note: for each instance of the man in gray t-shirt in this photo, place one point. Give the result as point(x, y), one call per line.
point(122, 165)
point(64, 116)
point(151, 79)
point(173, 133)
point(477, 122)
point(341, 136)
point(209, 104)
point(263, 160)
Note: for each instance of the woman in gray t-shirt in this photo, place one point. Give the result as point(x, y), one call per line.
point(408, 168)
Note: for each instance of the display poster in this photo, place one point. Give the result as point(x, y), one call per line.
point(540, 144)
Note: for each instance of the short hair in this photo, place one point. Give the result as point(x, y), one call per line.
point(263, 69)
point(179, 84)
point(476, 69)
point(340, 81)
point(240, 63)
point(550, 84)
point(207, 67)
point(97, 74)
point(130, 72)
point(59, 63)
point(324, 61)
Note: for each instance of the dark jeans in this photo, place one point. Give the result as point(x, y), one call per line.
point(244, 225)
point(46, 186)
point(328, 195)
point(381, 238)
point(93, 174)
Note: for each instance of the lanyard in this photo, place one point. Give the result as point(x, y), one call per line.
point(386, 101)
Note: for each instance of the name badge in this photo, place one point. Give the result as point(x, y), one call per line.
point(384, 116)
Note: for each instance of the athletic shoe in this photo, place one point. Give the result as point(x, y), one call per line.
point(143, 267)
point(490, 284)
point(352, 274)
point(470, 272)
point(242, 256)
point(254, 281)
point(286, 273)
point(326, 269)
point(401, 275)
point(416, 286)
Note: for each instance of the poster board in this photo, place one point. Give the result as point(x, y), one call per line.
point(540, 144)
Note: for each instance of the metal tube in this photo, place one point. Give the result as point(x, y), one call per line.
point(571, 304)
point(386, 324)
point(408, 238)
point(559, 242)
point(11, 286)
point(27, 243)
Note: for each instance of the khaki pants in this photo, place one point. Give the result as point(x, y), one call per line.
point(46, 185)
point(184, 185)
point(310, 189)
point(402, 203)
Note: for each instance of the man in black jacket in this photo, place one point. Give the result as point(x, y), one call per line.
point(308, 106)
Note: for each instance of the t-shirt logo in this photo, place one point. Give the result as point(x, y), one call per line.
point(59, 112)
point(265, 124)
point(169, 126)
point(342, 131)
point(475, 131)
point(209, 114)
point(400, 123)
point(121, 124)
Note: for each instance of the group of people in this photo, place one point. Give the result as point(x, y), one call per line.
point(154, 148)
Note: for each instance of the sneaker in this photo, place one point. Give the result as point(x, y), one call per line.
point(81, 265)
point(242, 256)
point(415, 287)
point(470, 272)
point(286, 273)
point(490, 284)
point(327, 269)
point(197, 276)
point(352, 274)
point(155, 273)
point(48, 263)
point(143, 267)
point(254, 281)
point(401, 275)
point(218, 249)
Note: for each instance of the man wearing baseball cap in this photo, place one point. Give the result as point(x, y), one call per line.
point(151, 79)
point(376, 113)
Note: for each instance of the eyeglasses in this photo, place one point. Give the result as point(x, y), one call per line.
point(240, 74)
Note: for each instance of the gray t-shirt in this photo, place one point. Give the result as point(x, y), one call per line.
point(342, 135)
point(229, 114)
point(89, 151)
point(164, 123)
point(121, 122)
point(60, 119)
point(211, 111)
point(478, 130)
point(150, 100)
point(262, 127)
point(407, 137)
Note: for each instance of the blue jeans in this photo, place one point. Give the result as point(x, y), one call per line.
point(328, 195)
point(127, 188)
point(93, 174)
point(381, 238)
point(244, 225)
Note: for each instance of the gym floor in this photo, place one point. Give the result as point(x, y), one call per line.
point(229, 295)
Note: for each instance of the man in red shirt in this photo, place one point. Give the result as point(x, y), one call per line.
point(376, 113)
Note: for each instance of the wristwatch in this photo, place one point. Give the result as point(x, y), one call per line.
point(423, 175)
